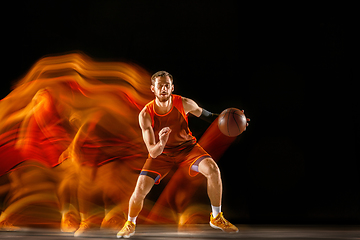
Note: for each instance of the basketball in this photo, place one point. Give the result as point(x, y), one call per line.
point(232, 122)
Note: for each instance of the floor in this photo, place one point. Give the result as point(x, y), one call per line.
point(201, 231)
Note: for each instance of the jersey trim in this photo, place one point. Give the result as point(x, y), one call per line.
point(176, 102)
point(153, 174)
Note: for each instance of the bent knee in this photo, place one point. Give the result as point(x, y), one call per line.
point(209, 168)
point(143, 187)
point(138, 195)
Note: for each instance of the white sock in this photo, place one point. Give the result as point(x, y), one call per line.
point(215, 210)
point(132, 219)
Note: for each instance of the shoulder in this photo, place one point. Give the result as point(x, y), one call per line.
point(145, 117)
point(149, 104)
point(190, 106)
point(187, 101)
point(149, 108)
point(144, 112)
point(177, 99)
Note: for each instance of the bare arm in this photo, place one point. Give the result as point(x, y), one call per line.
point(155, 149)
point(191, 107)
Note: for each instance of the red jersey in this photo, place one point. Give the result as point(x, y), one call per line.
point(176, 119)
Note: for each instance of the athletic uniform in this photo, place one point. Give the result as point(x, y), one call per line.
point(181, 148)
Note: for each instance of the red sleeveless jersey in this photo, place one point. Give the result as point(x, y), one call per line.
point(176, 119)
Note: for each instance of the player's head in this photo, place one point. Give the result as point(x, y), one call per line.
point(162, 85)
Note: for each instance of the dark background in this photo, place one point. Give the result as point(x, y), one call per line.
point(294, 75)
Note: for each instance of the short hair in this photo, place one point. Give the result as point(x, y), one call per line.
point(161, 74)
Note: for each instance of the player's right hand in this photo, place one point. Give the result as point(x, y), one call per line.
point(164, 135)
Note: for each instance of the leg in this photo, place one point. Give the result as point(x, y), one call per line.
point(210, 170)
point(117, 192)
point(143, 187)
point(67, 182)
point(90, 200)
point(89, 194)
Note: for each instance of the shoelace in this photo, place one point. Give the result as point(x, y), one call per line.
point(223, 221)
point(69, 220)
point(84, 225)
point(127, 227)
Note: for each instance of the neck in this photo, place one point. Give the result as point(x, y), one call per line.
point(163, 107)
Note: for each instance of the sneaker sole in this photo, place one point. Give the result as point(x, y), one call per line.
point(216, 227)
point(126, 236)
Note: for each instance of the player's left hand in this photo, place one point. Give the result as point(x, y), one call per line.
point(247, 120)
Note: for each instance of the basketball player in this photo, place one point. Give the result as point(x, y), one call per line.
point(165, 131)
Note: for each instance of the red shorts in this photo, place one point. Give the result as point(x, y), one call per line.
point(159, 167)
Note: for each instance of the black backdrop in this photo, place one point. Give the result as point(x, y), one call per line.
point(293, 75)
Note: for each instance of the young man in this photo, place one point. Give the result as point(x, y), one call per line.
point(166, 134)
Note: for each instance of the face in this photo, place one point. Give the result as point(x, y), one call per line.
point(163, 88)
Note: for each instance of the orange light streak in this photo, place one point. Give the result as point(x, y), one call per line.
point(71, 148)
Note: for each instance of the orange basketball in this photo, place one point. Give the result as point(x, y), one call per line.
point(232, 122)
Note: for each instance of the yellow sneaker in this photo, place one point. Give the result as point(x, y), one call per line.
point(84, 227)
point(219, 222)
point(5, 225)
point(69, 223)
point(127, 231)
